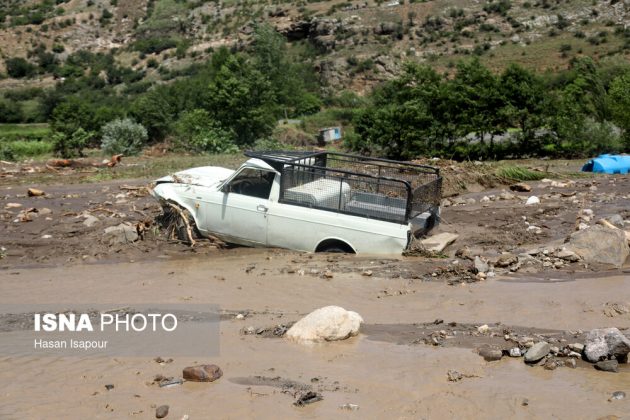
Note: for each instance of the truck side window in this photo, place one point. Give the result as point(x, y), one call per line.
point(252, 182)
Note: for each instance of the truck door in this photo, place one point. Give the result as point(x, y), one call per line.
point(245, 205)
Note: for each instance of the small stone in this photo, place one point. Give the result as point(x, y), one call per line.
point(202, 373)
point(109, 387)
point(480, 265)
point(574, 354)
point(571, 363)
point(485, 199)
point(240, 316)
point(350, 407)
point(90, 220)
point(525, 402)
point(515, 352)
point(328, 274)
point(470, 201)
point(521, 187)
point(577, 347)
point(551, 364)
point(490, 354)
point(161, 412)
point(308, 398)
point(506, 260)
point(367, 273)
point(532, 201)
point(617, 395)
point(554, 350)
point(607, 366)
point(483, 329)
point(34, 192)
point(12, 206)
point(454, 376)
point(537, 352)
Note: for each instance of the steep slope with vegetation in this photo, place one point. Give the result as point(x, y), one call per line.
point(487, 79)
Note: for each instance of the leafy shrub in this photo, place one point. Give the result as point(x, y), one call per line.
point(198, 132)
point(10, 112)
point(123, 136)
point(154, 45)
point(268, 144)
point(19, 68)
point(70, 146)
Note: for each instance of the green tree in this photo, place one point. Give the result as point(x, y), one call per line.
point(154, 111)
point(289, 78)
point(10, 112)
point(476, 96)
point(196, 131)
point(241, 100)
point(74, 113)
point(19, 68)
point(71, 145)
point(525, 101)
point(619, 93)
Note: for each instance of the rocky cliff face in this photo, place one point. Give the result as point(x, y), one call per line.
point(355, 43)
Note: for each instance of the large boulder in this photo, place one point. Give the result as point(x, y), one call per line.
point(606, 343)
point(329, 323)
point(600, 245)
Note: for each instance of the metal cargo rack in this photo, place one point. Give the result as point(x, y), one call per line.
point(362, 186)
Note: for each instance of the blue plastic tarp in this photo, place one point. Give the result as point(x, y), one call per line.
point(608, 164)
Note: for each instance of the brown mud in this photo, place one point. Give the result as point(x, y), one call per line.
point(394, 368)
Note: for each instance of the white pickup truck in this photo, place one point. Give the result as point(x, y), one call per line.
point(309, 201)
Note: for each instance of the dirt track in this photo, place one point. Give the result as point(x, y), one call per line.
point(392, 369)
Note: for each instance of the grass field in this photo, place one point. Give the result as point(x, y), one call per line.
point(11, 132)
point(21, 141)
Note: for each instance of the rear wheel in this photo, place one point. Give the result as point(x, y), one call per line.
point(334, 246)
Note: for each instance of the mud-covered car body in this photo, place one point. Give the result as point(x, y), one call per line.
point(309, 201)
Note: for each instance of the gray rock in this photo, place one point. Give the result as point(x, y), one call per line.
point(617, 395)
point(570, 363)
point(537, 352)
point(481, 266)
point(607, 366)
point(490, 354)
point(604, 343)
point(617, 220)
point(120, 234)
point(506, 260)
point(568, 255)
point(161, 412)
point(600, 245)
point(90, 220)
point(577, 347)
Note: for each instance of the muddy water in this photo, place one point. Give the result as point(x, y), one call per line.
point(263, 376)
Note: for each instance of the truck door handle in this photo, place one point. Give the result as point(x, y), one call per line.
point(262, 208)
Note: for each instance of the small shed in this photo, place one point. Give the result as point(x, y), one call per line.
point(329, 134)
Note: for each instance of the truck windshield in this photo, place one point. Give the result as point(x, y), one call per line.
point(251, 182)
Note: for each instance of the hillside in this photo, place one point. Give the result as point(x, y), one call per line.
point(352, 43)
